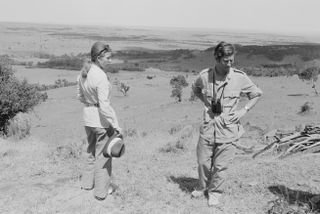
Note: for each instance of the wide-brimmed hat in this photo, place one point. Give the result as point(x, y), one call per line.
point(114, 147)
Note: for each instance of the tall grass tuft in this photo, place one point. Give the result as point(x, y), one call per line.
point(19, 126)
point(305, 108)
point(181, 142)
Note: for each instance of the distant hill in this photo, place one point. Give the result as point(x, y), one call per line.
point(269, 60)
point(270, 57)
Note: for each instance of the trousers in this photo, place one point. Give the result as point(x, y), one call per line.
point(213, 160)
point(97, 169)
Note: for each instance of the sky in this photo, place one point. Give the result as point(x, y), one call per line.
point(296, 17)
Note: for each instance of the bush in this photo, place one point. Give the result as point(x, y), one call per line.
point(181, 142)
point(16, 96)
point(57, 84)
point(19, 126)
point(63, 62)
point(172, 147)
point(123, 88)
point(178, 83)
point(306, 108)
point(271, 71)
point(149, 77)
point(310, 74)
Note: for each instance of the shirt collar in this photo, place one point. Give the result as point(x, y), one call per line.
point(229, 75)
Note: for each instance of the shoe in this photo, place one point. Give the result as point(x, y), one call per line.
point(98, 198)
point(91, 188)
point(112, 188)
point(197, 193)
point(213, 198)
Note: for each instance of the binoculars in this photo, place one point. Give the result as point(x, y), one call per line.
point(216, 107)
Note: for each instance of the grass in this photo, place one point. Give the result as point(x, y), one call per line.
point(293, 201)
point(181, 141)
point(149, 181)
point(306, 108)
point(173, 147)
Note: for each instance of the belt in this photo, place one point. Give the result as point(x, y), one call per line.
point(90, 105)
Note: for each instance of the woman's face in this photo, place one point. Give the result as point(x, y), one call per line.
point(105, 59)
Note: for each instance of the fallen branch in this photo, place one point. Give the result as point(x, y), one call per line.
point(305, 141)
point(278, 141)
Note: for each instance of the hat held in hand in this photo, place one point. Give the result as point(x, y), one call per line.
point(114, 147)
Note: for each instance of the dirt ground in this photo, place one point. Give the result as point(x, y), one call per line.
point(40, 174)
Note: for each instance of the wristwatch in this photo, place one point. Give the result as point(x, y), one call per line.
point(246, 108)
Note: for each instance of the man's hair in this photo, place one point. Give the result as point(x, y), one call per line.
point(223, 49)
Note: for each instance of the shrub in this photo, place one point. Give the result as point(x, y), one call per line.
point(57, 84)
point(19, 126)
point(310, 74)
point(181, 142)
point(305, 108)
point(16, 96)
point(63, 62)
point(174, 146)
point(123, 88)
point(149, 77)
point(178, 83)
point(173, 130)
point(271, 71)
point(144, 133)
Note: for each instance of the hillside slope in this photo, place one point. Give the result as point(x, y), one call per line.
point(41, 174)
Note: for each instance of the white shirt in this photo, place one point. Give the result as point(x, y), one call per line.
point(228, 91)
point(95, 89)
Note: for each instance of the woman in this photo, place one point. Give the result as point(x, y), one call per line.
point(99, 120)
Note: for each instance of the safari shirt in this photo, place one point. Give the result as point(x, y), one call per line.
point(94, 92)
point(236, 82)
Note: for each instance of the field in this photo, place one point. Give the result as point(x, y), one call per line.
point(40, 174)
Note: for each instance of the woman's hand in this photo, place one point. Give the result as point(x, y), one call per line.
point(236, 115)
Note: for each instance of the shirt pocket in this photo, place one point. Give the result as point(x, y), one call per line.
point(230, 98)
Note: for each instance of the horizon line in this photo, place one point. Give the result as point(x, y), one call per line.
point(146, 27)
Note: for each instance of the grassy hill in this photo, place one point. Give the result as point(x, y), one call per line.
point(271, 56)
point(40, 174)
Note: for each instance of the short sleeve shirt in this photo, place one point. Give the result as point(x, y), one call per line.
point(228, 92)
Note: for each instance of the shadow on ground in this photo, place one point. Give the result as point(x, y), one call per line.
point(185, 184)
point(297, 197)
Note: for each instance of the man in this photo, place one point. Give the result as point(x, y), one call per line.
point(100, 120)
point(219, 89)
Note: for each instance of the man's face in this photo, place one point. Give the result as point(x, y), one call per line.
point(227, 61)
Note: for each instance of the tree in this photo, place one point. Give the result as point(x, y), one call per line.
point(178, 83)
point(16, 96)
point(310, 74)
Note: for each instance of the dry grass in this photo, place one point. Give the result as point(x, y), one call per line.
point(181, 141)
point(150, 181)
point(306, 108)
point(293, 201)
point(19, 127)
